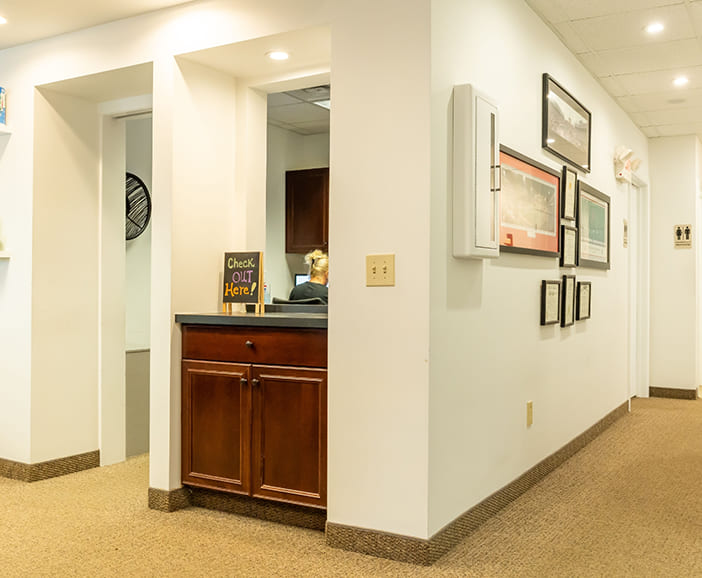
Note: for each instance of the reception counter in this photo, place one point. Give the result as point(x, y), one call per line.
point(254, 405)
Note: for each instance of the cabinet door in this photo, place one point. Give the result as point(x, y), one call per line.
point(306, 210)
point(216, 426)
point(289, 446)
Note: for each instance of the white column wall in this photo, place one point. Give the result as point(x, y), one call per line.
point(112, 318)
point(489, 355)
point(674, 273)
point(64, 416)
point(379, 203)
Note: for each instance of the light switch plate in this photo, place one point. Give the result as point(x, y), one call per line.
point(380, 270)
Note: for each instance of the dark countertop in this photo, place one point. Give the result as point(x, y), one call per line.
point(269, 319)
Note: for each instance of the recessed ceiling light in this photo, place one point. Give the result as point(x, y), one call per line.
point(278, 55)
point(3, 20)
point(681, 81)
point(655, 28)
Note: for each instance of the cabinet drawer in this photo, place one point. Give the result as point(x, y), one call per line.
point(278, 346)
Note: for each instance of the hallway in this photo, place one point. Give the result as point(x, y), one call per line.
point(626, 505)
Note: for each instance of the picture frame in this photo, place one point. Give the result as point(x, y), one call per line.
point(584, 300)
point(569, 246)
point(529, 205)
point(550, 302)
point(569, 193)
point(568, 301)
point(594, 227)
point(566, 125)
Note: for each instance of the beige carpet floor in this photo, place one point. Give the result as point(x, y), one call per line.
point(629, 504)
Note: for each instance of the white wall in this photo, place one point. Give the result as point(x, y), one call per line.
point(64, 417)
point(286, 151)
point(489, 355)
point(138, 264)
point(379, 203)
point(674, 272)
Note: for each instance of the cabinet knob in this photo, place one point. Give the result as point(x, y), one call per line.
point(243, 381)
point(255, 382)
point(249, 344)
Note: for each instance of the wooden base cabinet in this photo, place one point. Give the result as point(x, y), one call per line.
point(255, 429)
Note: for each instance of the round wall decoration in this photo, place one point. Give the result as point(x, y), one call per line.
point(138, 203)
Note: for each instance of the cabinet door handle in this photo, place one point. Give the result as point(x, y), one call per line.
point(243, 381)
point(249, 344)
point(255, 382)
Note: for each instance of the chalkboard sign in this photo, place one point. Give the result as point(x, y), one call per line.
point(243, 278)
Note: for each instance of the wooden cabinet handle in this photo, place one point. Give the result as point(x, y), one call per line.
point(249, 344)
point(255, 382)
point(243, 381)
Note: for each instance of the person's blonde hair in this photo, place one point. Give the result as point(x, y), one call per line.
point(318, 262)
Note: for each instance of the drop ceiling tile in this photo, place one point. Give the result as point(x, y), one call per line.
point(674, 116)
point(617, 31)
point(650, 131)
point(570, 37)
point(280, 99)
point(629, 104)
point(660, 80)
point(664, 100)
point(549, 10)
point(679, 129)
point(665, 55)
point(613, 86)
point(313, 127)
point(301, 112)
point(641, 119)
point(576, 9)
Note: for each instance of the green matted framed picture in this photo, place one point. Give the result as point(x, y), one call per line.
point(593, 227)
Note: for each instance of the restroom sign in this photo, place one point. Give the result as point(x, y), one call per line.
point(682, 236)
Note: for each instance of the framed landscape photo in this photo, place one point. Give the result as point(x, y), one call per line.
point(583, 301)
point(565, 125)
point(568, 301)
point(569, 196)
point(569, 246)
point(550, 302)
point(529, 205)
point(593, 227)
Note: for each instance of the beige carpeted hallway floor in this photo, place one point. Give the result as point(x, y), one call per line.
point(629, 504)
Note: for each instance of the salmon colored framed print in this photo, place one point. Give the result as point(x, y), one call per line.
point(529, 205)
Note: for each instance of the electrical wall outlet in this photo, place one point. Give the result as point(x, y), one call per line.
point(530, 413)
point(380, 270)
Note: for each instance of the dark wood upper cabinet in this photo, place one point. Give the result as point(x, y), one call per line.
point(306, 210)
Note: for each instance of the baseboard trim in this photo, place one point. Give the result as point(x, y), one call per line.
point(426, 552)
point(272, 511)
point(49, 469)
point(169, 500)
point(672, 392)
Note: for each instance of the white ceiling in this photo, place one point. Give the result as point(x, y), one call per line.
point(638, 69)
point(29, 20)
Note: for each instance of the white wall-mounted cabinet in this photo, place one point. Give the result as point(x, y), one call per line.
point(476, 174)
point(4, 255)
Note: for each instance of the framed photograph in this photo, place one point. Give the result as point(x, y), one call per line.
point(550, 302)
point(529, 205)
point(593, 227)
point(568, 301)
point(569, 246)
point(582, 305)
point(569, 181)
point(565, 125)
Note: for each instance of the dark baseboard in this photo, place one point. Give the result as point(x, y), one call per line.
point(49, 469)
point(168, 501)
point(281, 512)
point(426, 552)
point(672, 392)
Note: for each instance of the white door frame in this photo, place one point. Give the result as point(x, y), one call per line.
point(639, 288)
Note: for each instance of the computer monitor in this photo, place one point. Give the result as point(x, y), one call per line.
point(301, 278)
